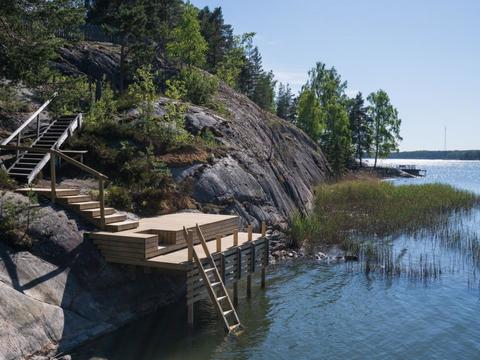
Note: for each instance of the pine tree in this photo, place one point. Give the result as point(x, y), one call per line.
point(218, 35)
point(284, 101)
point(28, 35)
point(264, 93)
point(360, 126)
point(251, 71)
point(126, 19)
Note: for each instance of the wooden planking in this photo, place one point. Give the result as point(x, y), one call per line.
point(181, 256)
point(195, 286)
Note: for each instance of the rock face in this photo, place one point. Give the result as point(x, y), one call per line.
point(61, 292)
point(270, 168)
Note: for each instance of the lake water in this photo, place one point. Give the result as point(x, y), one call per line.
point(337, 311)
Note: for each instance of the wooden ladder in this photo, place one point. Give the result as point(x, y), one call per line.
point(215, 286)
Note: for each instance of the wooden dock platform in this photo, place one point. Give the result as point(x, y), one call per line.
point(190, 244)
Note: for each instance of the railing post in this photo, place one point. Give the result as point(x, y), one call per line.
point(235, 237)
point(189, 240)
point(18, 144)
point(38, 125)
point(219, 243)
point(102, 203)
point(53, 178)
point(264, 229)
point(252, 259)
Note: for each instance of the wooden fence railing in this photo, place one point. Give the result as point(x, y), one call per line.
point(35, 116)
point(54, 154)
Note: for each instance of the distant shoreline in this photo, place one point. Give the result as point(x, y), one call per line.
point(437, 155)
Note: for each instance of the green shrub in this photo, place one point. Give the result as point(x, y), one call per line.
point(9, 100)
point(200, 87)
point(15, 220)
point(143, 93)
point(6, 182)
point(119, 198)
point(74, 95)
point(102, 112)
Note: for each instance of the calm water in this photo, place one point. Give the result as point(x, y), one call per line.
point(337, 311)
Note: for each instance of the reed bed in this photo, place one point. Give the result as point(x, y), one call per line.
point(367, 217)
point(376, 208)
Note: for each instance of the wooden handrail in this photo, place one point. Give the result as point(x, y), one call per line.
point(60, 154)
point(53, 154)
point(28, 121)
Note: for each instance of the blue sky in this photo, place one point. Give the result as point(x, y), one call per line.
point(424, 53)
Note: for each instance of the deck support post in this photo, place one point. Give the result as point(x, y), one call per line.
point(101, 195)
point(239, 275)
point(235, 238)
point(190, 317)
point(252, 262)
point(190, 245)
point(219, 243)
point(53, 178)
point(265, 255)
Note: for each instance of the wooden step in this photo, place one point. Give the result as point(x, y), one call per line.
point(80, 206)
point(121, 226)
point(109, 219)
point(95, 212)
point(134, 237)
point(70, 199)
point(47, 191)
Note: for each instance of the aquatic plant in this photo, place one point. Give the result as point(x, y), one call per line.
point(348, 209)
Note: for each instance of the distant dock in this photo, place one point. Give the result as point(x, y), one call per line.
point(412, 170)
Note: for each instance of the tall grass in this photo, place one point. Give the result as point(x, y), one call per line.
point(353, 208)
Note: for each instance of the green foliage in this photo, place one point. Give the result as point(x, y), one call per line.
point(119, 198)
point(143, 93)
point(199, 86)
point(74, 95)
point(311, 118)
point(386, 124)
point(187, 45)
point(16, 218)
point(125, 19)
point(360, 126)
point(9, 100)
point(286, 104)
point(219, 36)
point(6, 182)
point(264, 93)
point(27, 35)
point(377, 208)
point(335, 139)
point(102, 111)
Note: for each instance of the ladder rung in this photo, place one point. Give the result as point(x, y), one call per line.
point(210, 270)
point(216, 283)
point(221, 298)
point(228, 312)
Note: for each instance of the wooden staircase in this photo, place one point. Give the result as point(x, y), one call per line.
point(215, 285)
point(88, 208)
point(28, 163)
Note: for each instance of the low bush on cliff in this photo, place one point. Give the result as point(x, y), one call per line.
point(376, 208)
